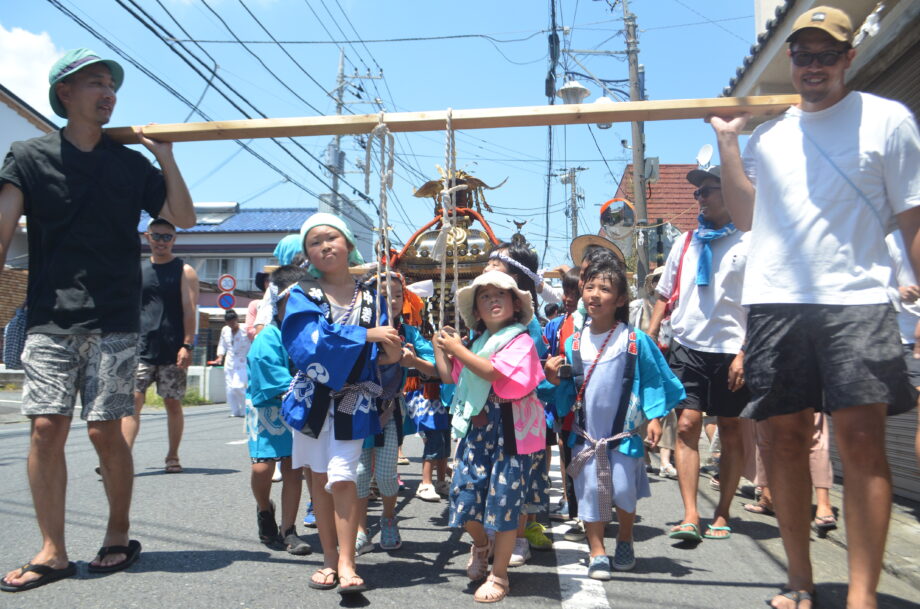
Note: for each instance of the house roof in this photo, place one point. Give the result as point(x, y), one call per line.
point(670, 198)
point(260, 220)
point(782, 11)
point(39, 120)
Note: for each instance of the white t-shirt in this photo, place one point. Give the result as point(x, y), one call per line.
point(589, 348)
point(708, 318)
point(909, 312)
point(814, 239)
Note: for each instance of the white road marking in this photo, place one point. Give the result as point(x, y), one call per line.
point(577, 590)
point(238, 442)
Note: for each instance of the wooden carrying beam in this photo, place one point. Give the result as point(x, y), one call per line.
point(483, 118)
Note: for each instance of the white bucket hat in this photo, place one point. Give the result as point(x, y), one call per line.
point(466, 296)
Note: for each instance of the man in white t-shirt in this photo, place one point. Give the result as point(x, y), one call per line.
point(705, 270)
point(819, 187)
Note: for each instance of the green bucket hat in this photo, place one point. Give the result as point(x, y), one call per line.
point(73, 61)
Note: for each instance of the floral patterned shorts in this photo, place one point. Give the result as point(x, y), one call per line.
point(488, 485)
point(99, 366)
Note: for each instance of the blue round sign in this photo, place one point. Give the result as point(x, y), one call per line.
point(226, 300)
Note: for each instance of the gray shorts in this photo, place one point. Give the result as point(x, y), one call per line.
point(98, 366)
point(825, 357)
point(170, 379)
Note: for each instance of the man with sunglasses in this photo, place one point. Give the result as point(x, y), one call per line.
point(705, 270)
point(169, 297)
point(819, 188)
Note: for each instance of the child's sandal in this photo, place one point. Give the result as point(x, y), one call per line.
point(493, 590)
point(478, 565)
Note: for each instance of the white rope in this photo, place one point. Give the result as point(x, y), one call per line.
point(387, 160)
point(448, 197)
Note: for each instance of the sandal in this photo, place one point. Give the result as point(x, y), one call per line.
point(759, 508)
point(46, 575)
point(712, 532)
point(683, 533)
point(132, 552)
point(825, 523)
point(325, 584)
point(173, 466)
point(797, 596)
point(478, 565)
point(493, 590)
point(355, 588)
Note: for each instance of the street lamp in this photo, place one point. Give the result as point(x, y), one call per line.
point(603, 100)
point(573, 92)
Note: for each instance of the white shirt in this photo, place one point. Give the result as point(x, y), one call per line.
point(591, 343)
point(708, 318)
point(909, 312)
point(814, 239)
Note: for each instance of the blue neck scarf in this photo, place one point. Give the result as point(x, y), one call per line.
point(705, 234)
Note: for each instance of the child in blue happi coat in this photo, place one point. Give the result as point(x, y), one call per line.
point(620, 381)
point(332, 335)
point(269, 439)
point(379, 456)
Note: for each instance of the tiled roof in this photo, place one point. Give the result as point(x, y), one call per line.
point(670, 198)
point(780, 15)
point(262, 220)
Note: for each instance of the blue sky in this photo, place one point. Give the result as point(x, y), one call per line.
point(689, 48)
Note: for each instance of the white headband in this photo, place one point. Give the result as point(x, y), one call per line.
point(537, 277)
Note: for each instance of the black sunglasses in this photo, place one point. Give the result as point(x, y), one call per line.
point(825, 58)
point(703, 192)
point(164, 237)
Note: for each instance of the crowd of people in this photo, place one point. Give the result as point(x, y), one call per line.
point(772, 315)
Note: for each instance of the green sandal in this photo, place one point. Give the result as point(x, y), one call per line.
point(709, 528)
point(683, 534)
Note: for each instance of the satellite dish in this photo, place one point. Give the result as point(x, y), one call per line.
point(704, 156)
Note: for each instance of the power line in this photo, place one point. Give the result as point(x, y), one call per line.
point(715, 23)
point(362, 41)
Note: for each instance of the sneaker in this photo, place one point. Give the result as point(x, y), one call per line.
point(624, 559)
point(521, 553)
point(276, 477)
point(309, 519)
point(535, 536)
point(426, 492)
point(389, 534)
point(268, 528)
point(576, 532)
point(363, 545)
point(599, 568)
point(294, 544)
point(402, 460)
point(667, 471)
point(442, 487)
point(560, 511)
point(400, 485)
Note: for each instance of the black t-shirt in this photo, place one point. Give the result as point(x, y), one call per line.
point(162, 327)
point(82, 210)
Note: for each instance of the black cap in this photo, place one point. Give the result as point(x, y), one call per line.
point(698, 176)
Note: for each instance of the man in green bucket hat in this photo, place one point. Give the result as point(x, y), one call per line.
point(83, 195)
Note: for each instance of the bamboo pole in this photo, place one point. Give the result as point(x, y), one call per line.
point(482, 118)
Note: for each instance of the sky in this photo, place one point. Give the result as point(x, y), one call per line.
point(497, 56)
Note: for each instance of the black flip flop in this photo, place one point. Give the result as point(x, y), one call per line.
point(47, 575)
point(325, 586)
point(355, 589)
point(132, 552)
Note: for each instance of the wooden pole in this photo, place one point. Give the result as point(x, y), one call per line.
point(482, 118)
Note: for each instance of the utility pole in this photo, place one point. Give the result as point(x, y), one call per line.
point(336, 147)
point(336, 164)
point(569, 177)
point(638, 141)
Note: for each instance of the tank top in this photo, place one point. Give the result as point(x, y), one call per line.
point(162, 329)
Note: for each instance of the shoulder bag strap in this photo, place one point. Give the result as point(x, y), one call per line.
point(675, 293)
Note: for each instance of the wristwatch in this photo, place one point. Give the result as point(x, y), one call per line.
point(186, 346)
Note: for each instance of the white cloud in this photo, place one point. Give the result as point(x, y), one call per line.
point(25, 59)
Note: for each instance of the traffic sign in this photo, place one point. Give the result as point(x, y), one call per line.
point(226, 283)
point(226, 300)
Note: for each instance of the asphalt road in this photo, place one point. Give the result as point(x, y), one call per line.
point(201, 549)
